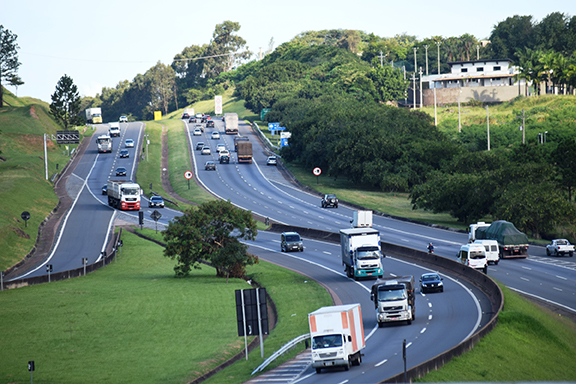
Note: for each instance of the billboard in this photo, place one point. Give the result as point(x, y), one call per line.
point(218, 105)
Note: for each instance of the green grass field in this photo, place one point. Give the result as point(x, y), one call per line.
point(134, 322)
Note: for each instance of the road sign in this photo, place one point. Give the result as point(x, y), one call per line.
point(273, 126)
point(188, 175)
point(285, 135)
point(155, 215)
point(263, 112)
point(316, 171)
point(67, 137)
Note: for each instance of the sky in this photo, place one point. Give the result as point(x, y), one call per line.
point(101, 43)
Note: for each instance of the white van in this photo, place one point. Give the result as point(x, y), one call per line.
point(492, 250)
point(474, 256)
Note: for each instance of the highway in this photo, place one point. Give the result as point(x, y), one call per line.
point(442, 320)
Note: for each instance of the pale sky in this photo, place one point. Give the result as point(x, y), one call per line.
point(100, 43)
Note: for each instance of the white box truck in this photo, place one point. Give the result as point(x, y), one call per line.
point(94, 116)
point(337, 335)
point(231, 123)
point(124, 195)
point(361, 252)
point(362, 219)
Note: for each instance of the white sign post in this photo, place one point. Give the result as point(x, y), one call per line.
point(316, 171)
point(218, 105)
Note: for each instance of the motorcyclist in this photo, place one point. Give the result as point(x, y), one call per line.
point(430, 248)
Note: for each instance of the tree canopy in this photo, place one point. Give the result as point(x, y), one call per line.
point(65, 106)
point(9, 63)
point(211, 234)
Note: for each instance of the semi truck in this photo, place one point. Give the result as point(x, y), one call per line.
point(361, 252)
point(394, 299)
point(237, 139)
point(104, 143)
point(123, 194)
point(114, 129)
point(231, 123)
point(474, 228)
point(511, 242)
point(337, 336)
point(362, 219)
point(94, 116)
point(244, 149)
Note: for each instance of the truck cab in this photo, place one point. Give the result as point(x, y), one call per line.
point(394, 300)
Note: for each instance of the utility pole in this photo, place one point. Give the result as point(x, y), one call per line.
point(382, 56)
point(523, 128)
point(426, 48)
point(415, 66)
point(421, 105)
point(414, 90)
point(488, 126)
point(438, 44)
point(477, 52)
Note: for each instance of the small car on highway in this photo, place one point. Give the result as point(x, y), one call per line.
point(223, 152)
point(205, 150)
point(156, 201)
point(329, 200)
point(185, 115)
point(200, 127)
point(123, 119)
point(224, 159)
point(291, 241)
point(105, 189)
point(215, 135)
point(210, 165)
point(197, 132)
point(129, 143)
point(199, 145)
point(209, 124)
point(120, 171)
point(124, 153)
point(271, 160)
point(431, 282)
point(220, 147)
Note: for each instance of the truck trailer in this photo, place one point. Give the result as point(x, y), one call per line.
point(361, 252)
point(231, 123)
point(244, 151)
point(337, 335)
point(511, 242)
point(94, 116)
point(123, 194)
point(238, 139)
point(394, 299)
point(104, 143)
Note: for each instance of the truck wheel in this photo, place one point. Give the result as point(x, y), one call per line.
point(408, 322)
point(380, 325)
point(548, 252)
point(318, 370)
point(347, 366)
point(571, 254)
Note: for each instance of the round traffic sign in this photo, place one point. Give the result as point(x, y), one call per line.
point(188, 175)
point(317, 171)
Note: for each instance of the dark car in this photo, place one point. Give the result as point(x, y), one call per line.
point(199, 145)
point(105, 189)
point(210, 165)
point(156, 201)
point(224, 159)
point(209, 124)
point(120, 171)
point(185, 115)
point(431, 282)
point(329, 200)
point(192, 120)
point(291, 241)
point(124, 153)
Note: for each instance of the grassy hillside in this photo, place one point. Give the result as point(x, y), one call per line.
point(23, 185)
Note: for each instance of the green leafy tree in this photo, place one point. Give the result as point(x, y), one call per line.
point(65, 106)
point(552, 33)
point(225, 49)
point(510, 36)
point(8, 60)
point(162, 79)
point(389, 83)
point(211, 233)
point(565, 157)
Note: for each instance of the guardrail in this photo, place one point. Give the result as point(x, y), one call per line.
point(288, 346)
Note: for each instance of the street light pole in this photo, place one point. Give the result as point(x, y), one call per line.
point(414, 90)
point(421, 105)
point(438, 45)
point(426, 48)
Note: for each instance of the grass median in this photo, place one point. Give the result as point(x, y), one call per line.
point(133, 321)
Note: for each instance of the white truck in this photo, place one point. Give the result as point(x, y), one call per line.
point(361, 252)
point(123, 194)
point(473, 228)
point(231, 123)
point(94, 116)
point(362, 219)
point(115, 129)
point(560, 247)
point(104, 144)
point(337, 335)
point(394, 299)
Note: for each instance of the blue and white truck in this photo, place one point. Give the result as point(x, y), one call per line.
point(361, 252)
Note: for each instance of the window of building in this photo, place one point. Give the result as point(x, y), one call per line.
point(479, 69)
point(464, 70)
point(497, 68)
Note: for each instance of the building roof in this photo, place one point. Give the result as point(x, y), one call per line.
point(479, 61)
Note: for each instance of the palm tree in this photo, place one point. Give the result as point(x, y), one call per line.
point(468, 41)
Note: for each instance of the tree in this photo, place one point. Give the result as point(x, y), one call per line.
point(513, 34)
point(8, 60)
point(65, 106)
point(225, 48)
point(162, 79)
point(388, 82)
point(211, 233)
